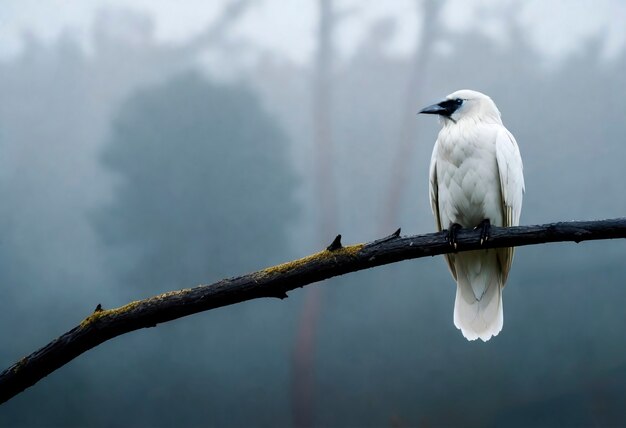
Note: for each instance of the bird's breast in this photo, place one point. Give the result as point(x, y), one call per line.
point(468, 177)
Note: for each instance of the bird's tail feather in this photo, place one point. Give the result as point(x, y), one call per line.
point(478, 305)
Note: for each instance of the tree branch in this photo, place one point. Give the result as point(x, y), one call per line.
point(276, 281)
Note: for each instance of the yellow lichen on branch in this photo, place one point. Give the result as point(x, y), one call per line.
point(98, 314)
point(284, 268)
point(108, 312)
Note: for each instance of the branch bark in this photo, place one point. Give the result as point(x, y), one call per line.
point(276, 281)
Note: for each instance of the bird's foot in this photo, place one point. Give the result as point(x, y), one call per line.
point(452, 232)
point(485, 230)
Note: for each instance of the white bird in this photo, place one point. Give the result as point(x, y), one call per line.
point(476, 180)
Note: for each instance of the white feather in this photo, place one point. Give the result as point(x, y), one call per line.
point(476, 174)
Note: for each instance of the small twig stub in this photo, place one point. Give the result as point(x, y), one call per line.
point(336, 244)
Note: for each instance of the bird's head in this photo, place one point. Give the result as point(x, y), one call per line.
point(465, 104)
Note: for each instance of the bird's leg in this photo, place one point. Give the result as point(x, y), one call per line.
point(485, 230)
point(452, 232)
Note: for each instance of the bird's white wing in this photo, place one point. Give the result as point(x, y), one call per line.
point(434, 188)
point(511, 187)
point(434, 204)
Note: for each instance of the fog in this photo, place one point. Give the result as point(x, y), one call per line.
point(149, 149)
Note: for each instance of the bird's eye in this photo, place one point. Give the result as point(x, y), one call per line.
point(458, 101)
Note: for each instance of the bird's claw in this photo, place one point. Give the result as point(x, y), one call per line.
point(485, 230)
point(452, 233)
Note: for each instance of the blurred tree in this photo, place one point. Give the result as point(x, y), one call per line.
point(205, 188)
point(303, 396)
point(417, 78)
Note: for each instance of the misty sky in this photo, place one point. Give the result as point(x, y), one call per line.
point(287, 27)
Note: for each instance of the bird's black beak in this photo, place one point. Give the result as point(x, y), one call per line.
point(442, 108)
